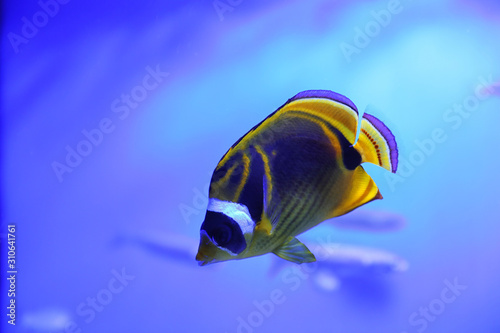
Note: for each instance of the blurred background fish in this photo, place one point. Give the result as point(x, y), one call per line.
point(182, 249)
point(351, 260)
point(169, 246)
point(338, 262)
point(370, 221)
point(341, 262)
point(492, 89)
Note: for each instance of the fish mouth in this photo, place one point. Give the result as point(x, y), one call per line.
point(204, 263)
point(206, 251)
point(203, 259)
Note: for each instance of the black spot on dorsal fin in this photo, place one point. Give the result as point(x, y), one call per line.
point(350, 156)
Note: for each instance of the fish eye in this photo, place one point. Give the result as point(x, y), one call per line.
point(222, 235)
point(224, 232)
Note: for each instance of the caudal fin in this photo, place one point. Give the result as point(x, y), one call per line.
point(377, 144)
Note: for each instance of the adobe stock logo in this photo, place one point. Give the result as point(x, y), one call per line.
point(454, 117)
point(121, 108)
point(40, 19)
point(293, 278)
point(372, 29)
point(420, 319)
point(89, 309)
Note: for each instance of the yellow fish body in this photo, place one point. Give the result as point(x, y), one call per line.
point(295, 169)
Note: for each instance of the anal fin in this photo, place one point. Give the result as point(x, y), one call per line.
point(293, 250)
point(361, 190)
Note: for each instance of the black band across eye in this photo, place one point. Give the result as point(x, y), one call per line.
point(224, 231)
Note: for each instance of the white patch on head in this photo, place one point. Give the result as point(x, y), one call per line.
point(238, 212)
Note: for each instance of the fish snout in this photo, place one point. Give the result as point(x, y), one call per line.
point(203, 259)
point(200, 256)
point(206, 250)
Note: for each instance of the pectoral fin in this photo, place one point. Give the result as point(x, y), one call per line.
point(264, 225)
point(293, 250)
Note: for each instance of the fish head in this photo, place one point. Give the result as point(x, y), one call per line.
point(221, 239)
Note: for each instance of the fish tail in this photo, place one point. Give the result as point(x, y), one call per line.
point(377, 144)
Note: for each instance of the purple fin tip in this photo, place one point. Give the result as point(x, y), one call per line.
point(325, 94)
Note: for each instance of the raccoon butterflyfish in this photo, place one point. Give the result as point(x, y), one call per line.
point(293, 170)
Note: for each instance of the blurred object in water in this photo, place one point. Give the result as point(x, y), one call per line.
point(337, 263)
point(370, 220)
point(491, 90)
point(45, 320)
point(327, 281)
point(347, 260)
point(166, 245)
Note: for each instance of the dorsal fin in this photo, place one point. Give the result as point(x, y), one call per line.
point(336, 109)
point(333, 108)
point(326, 94)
